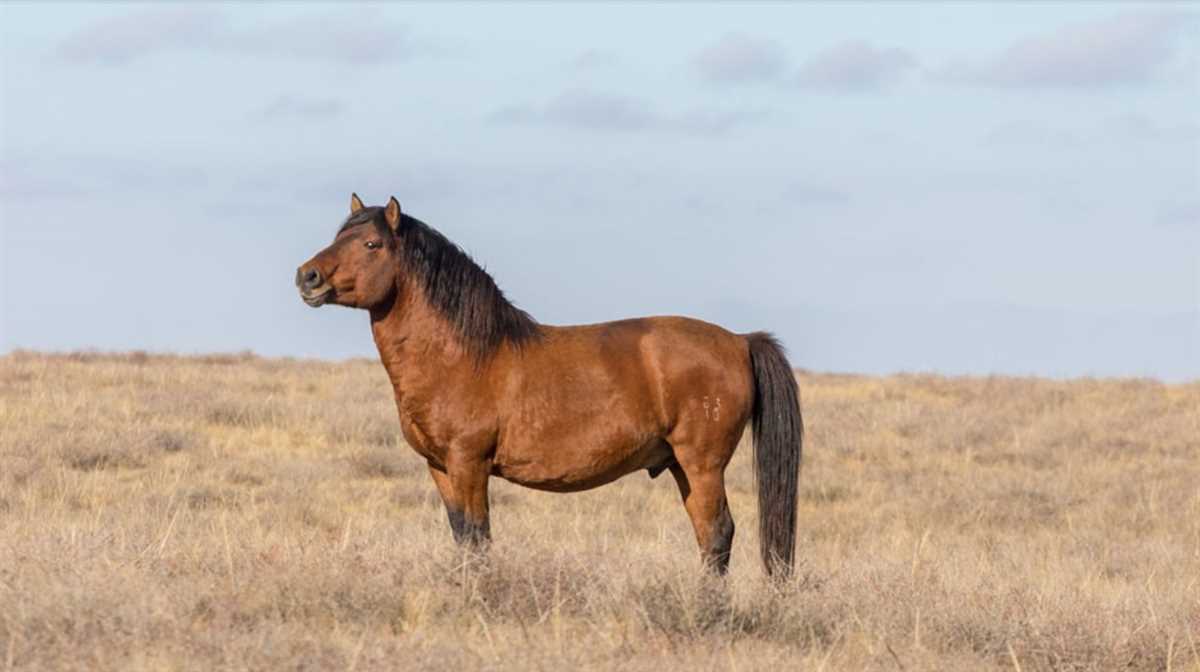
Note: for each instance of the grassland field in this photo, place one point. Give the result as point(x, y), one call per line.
point(241, 513)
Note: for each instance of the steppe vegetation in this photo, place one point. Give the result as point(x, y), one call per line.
point(235, 512)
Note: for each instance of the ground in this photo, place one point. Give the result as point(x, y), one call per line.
point(234, 512)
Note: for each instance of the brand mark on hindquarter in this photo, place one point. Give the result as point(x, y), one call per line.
point(712, 410)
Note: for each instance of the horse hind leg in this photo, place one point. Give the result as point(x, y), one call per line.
point(703, 493)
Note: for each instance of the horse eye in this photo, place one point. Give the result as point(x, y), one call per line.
point(373, 244)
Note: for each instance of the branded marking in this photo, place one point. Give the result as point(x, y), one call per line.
point(712, 410)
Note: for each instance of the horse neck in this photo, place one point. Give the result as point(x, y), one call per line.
point(414, 341)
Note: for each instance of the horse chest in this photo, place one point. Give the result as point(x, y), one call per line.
point(417, 437)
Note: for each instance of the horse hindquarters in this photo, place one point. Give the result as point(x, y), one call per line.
point(704, 442)
point(709, 421)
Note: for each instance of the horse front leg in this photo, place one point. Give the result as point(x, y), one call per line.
point(463, 486)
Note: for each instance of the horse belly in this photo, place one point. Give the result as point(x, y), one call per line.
point(574, 466)
point(585, 411)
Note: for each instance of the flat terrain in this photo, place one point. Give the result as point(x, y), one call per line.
point(231, 512)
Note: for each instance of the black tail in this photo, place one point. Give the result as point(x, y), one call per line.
point(778, 435)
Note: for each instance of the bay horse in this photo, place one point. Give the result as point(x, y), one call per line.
point(483, 390)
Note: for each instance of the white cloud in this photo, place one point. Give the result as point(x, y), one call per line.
point(599, 111)
point(1129, 48)
point(1181, 216)
point(594, 111)
point(357, 37)
point(118, 40)
point(855, 66)
point(298, 107)
point(739, 58)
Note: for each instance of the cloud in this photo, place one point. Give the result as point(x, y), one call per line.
point(600, 112)
point(351, 38)
point(713, 122)
point(1180, 216)
point(854, 66)
point(604, 112)
point(69, 175)
point(850, 66)
point(117, 40)
point(343, 37)
point(1130, 127)
point(739, 58)
point(20, 180)
point(1124, 49)
point(293, 107)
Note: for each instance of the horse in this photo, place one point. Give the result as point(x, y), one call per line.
point(482, 389)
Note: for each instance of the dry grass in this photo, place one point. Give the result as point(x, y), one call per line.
point(235, 512)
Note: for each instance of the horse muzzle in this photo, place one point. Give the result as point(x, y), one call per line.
point(317, 299)
point(315, 290)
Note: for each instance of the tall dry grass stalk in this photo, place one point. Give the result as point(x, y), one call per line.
point(235, 512)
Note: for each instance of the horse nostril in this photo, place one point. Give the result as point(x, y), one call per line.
point(312, 278)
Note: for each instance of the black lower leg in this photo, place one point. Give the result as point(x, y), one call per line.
point(722, 542)
point(466, 531)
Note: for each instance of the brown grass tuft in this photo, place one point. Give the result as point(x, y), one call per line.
point(382, 463)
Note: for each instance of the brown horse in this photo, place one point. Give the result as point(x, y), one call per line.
point(484, 390)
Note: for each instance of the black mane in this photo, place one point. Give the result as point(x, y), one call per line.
point(454, 285)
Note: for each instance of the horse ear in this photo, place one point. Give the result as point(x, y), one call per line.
point(356, 204)
point(392, 213)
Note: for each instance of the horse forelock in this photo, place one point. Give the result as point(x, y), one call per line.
point(371, 215)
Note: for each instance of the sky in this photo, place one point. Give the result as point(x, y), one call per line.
point(962, 188)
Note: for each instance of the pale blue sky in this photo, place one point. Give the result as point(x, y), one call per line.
point(957, 187)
